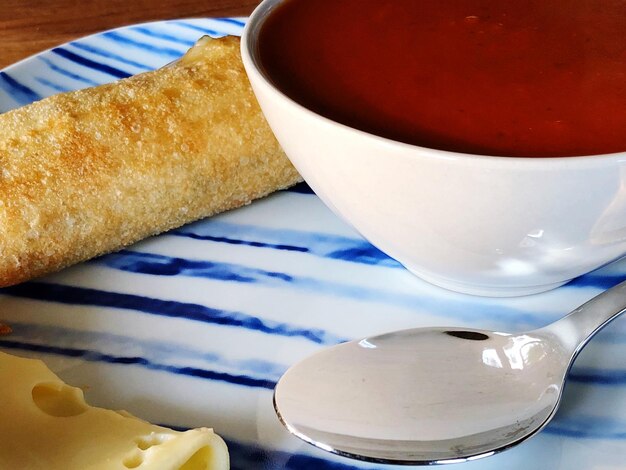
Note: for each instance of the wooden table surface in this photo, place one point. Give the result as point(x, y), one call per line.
point(30, 26)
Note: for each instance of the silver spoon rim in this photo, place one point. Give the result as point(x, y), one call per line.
point(420, 462)
point(586, 320)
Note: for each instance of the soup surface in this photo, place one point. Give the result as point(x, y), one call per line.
point(528, 78)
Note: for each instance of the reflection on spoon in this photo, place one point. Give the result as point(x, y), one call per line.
point(437, 395)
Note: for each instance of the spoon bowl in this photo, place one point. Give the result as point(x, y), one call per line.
point(437, 395)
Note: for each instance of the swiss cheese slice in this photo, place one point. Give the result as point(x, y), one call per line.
point(46, 424)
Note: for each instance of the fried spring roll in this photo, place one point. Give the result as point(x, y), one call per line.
point(89, 172)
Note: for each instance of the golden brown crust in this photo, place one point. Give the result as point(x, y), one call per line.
point(88, 172)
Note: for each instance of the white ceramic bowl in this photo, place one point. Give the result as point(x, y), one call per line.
point(483, 225)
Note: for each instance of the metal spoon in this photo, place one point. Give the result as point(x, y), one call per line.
point(437, 395)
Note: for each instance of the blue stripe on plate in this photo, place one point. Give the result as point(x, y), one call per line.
point(67, 73)
point(600, 281)
point(233, 21)
point(109, 55)
point(94, 356)
point(18, 91)
point(210, 32)
point(587, 427)
point(126, 41)
point(155, 350)
point(78, 59)
point(168, 308)
point(597, 376)
point(237, 241)
point(160, 265)
point(163, 36)
point(324, 245)
point(52, 85)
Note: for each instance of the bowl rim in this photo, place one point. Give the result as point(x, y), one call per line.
point(251, 60)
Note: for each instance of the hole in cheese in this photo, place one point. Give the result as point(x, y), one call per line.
point(133, 461)
point(199, 460)
point(59, 400)
point(145, 442)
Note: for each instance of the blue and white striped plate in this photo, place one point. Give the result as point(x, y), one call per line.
point(194, 327)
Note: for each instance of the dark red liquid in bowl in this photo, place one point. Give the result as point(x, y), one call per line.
point(527, 78)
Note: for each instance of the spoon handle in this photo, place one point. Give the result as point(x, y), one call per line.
point(580, 325)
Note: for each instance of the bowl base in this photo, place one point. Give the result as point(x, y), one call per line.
point(482, 290)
